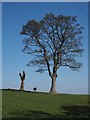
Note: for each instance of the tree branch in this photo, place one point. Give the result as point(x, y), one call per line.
point(45, 57)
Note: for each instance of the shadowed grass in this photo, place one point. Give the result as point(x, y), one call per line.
point(29, 105)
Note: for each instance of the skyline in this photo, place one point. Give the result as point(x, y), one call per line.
point(13, 18)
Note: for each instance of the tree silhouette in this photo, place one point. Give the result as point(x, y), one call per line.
point(22, 77)
point(54, 41)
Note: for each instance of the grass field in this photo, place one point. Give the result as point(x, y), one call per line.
point(32, 105)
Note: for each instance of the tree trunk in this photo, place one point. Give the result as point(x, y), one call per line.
point(53, 86)
point(22, 85)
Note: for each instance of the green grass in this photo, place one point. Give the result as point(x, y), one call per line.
point(27, 105)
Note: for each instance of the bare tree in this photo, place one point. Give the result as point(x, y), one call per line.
point(54, 41)
point(22, 77)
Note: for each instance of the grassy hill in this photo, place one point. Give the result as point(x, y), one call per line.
point(32, 105)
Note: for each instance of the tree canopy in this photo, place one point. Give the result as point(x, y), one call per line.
point(54, 41)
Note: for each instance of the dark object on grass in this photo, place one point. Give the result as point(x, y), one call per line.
point(34, 89)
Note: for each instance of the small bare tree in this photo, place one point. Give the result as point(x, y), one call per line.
point(22, 77)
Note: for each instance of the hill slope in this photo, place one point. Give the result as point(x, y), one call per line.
point(21, 104)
